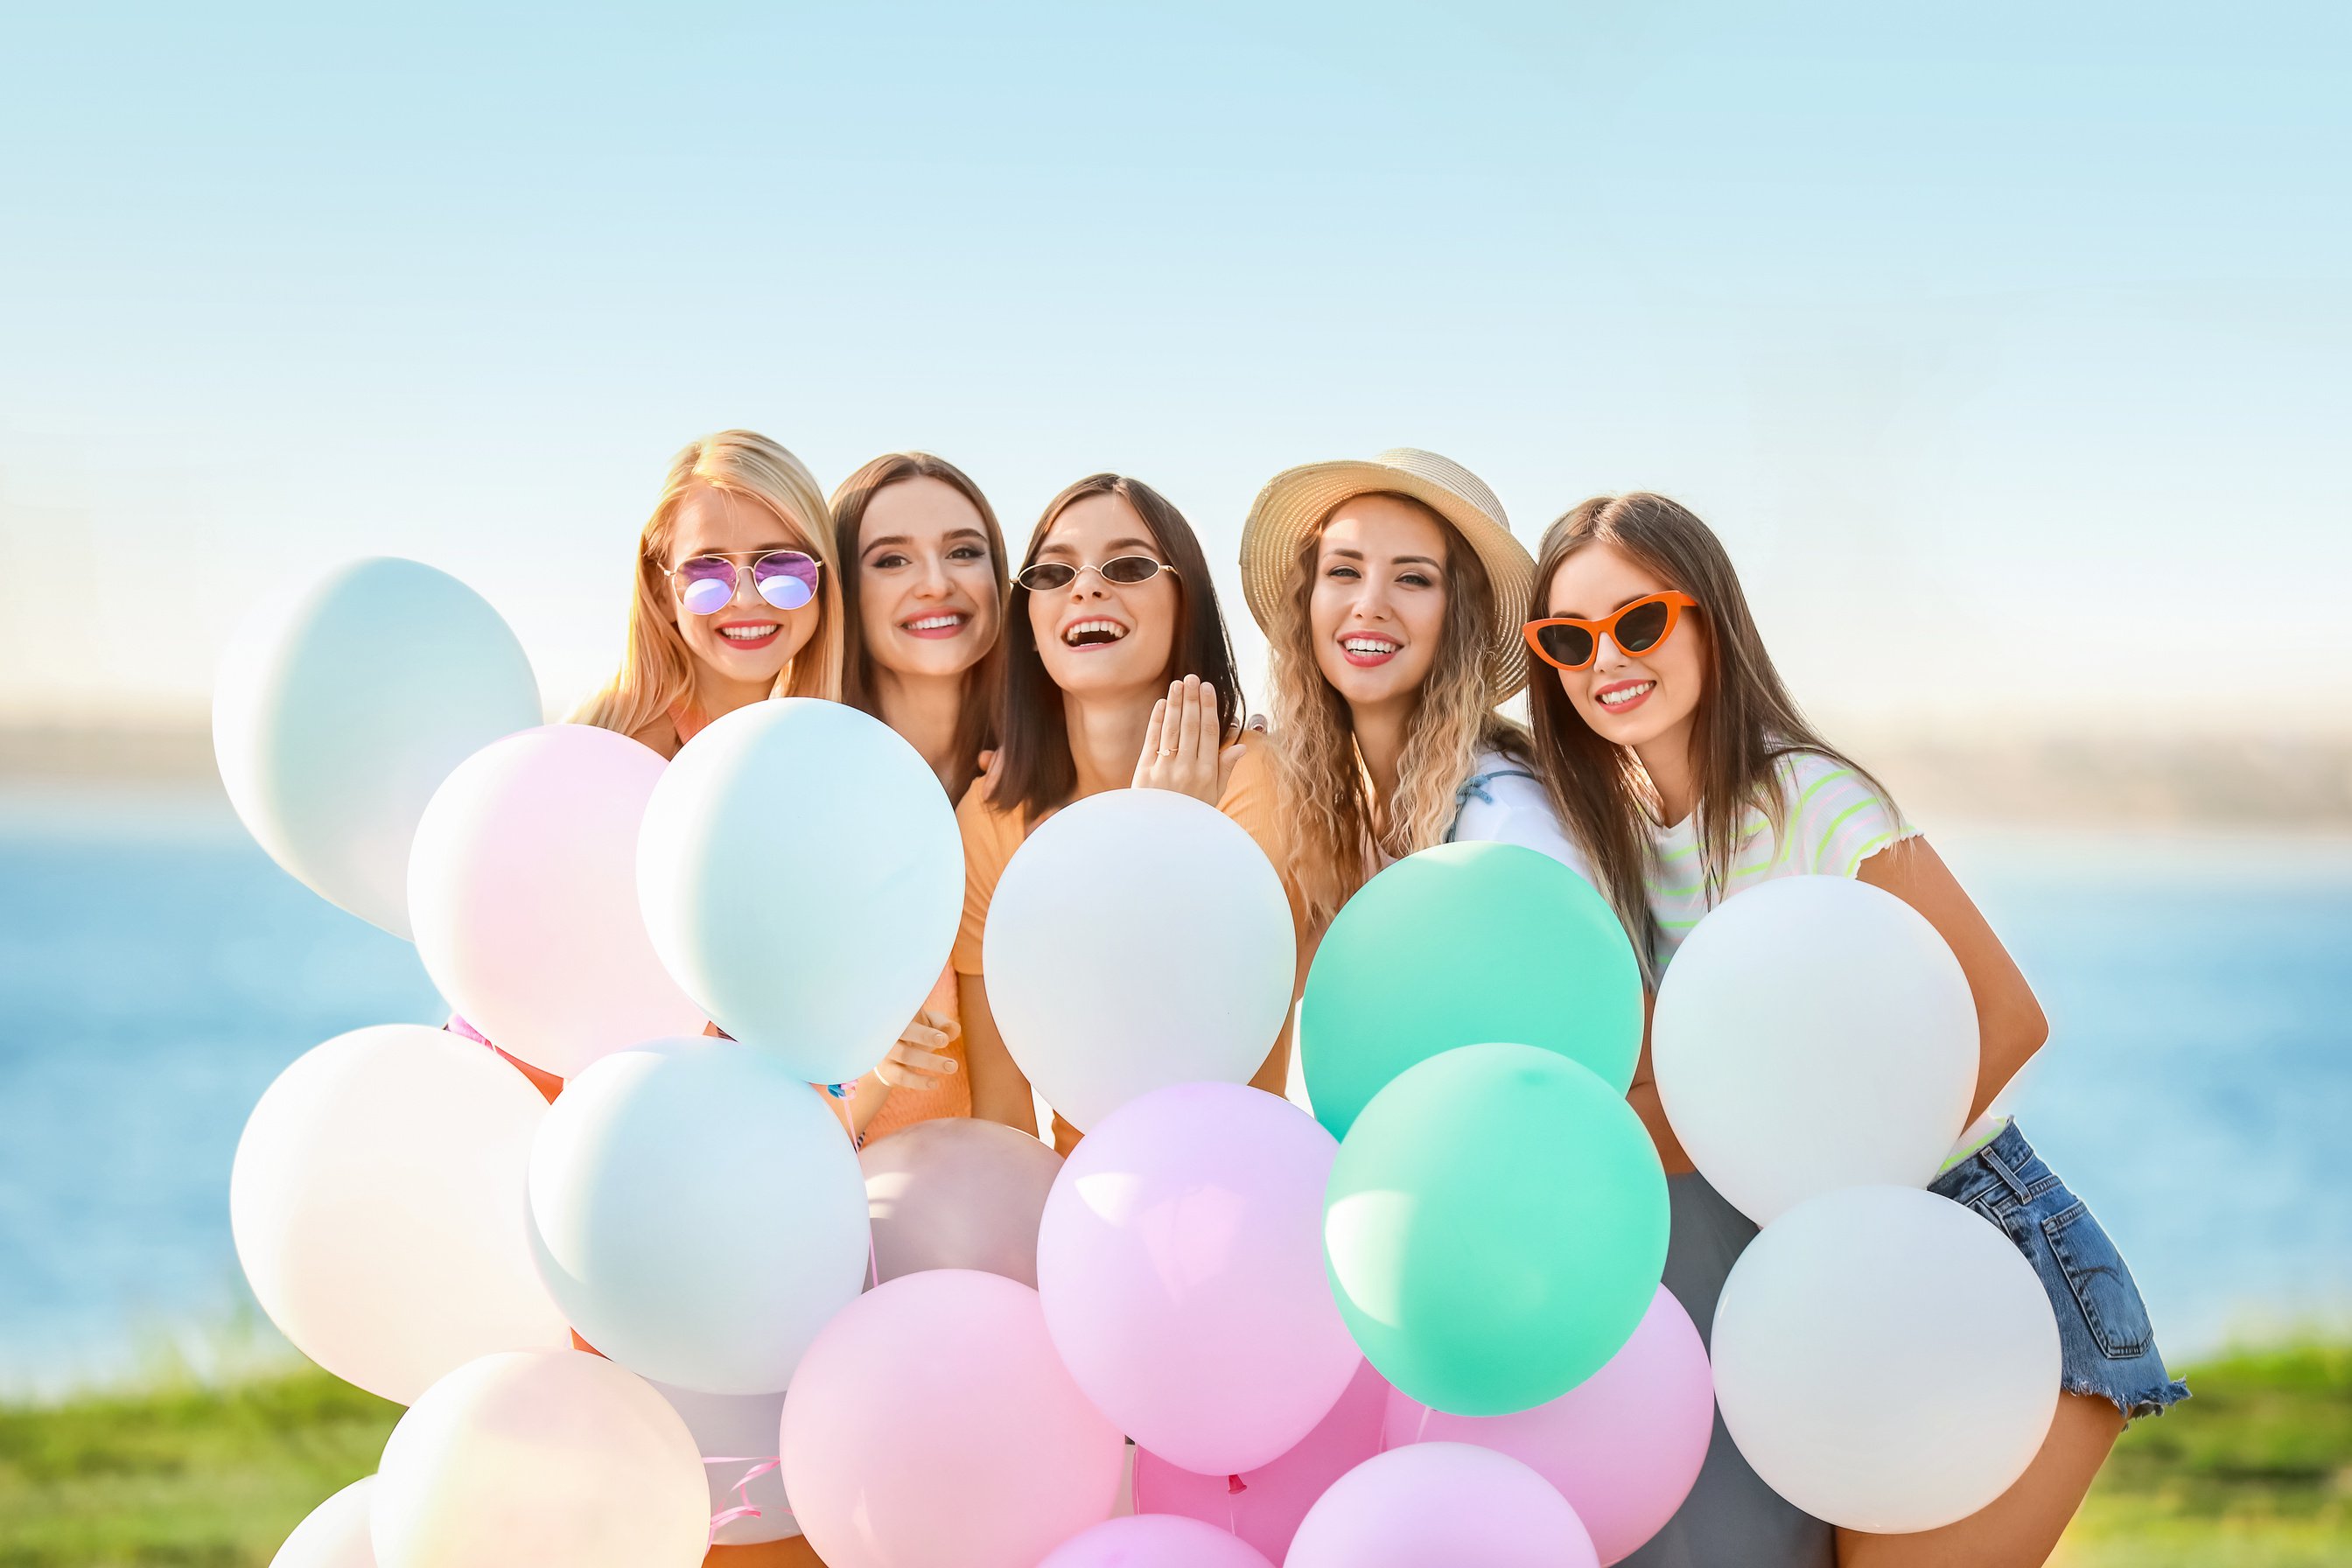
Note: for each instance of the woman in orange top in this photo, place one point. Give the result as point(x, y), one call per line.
point(924, 587)
point(1118, 672)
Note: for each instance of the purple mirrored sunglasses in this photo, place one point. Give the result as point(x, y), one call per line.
point(706, 584)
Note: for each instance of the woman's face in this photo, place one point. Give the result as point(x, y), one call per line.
point(1099, 638)
point(926, 581)
point(1627, 698)
point(1375, 614)
point(747, 640)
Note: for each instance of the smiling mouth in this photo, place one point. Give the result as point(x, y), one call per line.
point(1367, 648)
point(942, 624)
point(751, 635)
point(1625, 696)
point(1093, 633)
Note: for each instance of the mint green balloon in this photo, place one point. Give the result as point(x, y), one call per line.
point(1493, 1228)
point(1460, 944)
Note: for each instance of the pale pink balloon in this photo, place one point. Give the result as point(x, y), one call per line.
point(1180, 1263)
point(1155, 1541)
point(1446, 1503)
point(522, 890)
point(930, 1422)
point(1624, 1446)
point(1271, 1498)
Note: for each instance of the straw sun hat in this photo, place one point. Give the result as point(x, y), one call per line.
point(1295, 502)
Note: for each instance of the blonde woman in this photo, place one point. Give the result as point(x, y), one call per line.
point(738, 594)
point(1392, 592)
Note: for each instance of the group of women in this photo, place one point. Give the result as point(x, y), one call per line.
point(1664, 761)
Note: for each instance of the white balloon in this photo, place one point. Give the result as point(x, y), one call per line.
point(1139, 939)
point(802, 877)
point(697, 1213)
point(335, 1535)
point(377, 1205)
point(1814, 1033)
point(522, 886)
point(1886, 1359)
point(546, 1460)
point(339, 711)
point(1431, 1503)
point(744, 1429)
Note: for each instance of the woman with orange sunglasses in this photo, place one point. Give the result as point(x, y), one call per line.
point(1674, 755)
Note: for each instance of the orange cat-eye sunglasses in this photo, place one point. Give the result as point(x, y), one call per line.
point(1566, 643)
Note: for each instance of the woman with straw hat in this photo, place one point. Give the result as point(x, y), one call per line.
point(1391, 593)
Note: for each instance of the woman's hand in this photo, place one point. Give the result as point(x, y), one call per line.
point(917, 1059)
point(1184, 749)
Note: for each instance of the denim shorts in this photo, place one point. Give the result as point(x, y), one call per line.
point(2106, 1343)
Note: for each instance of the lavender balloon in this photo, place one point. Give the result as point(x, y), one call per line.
point(958, 1193)
point(1442, 1502)
point(1181, 1266)
point(1155, 1541)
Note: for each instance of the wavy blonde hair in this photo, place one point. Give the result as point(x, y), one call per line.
point(1324, 790)
point(657, 670)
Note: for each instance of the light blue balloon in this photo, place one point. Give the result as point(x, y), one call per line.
point(340, 709)
point(801, 878)
point(697, 1213)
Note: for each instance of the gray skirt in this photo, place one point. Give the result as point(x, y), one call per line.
point(1731, 1518)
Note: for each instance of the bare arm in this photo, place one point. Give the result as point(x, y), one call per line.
point(2009, 1023)
point(1000, 1090)
point(1643, 1098)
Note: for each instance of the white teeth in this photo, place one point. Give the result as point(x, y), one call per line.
point(1612, 699)
point(745, 634)
point(934, 623)
point(1110, 630)
point(1369, 645)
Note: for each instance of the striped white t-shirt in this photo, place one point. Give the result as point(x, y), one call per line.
point(1834, 822)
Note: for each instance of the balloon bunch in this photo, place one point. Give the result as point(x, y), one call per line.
point(1424, 1324)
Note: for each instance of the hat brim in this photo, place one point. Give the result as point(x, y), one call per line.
point(1295, 502)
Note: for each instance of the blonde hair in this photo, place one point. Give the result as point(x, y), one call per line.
point(657, 670)
point(1324, 790)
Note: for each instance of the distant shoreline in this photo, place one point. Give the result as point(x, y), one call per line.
point(2049, 780)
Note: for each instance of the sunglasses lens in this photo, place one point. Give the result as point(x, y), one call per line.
point(787, 578)
point(706, 584)
point(1569, 645)
point(1047, 575)
point(1130, 570)
point(1639, 628)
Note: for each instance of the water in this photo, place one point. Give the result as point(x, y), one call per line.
point(156, 972)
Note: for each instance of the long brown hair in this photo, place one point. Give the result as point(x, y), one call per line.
point(1746, 719)
point(982, 682)
point(656, 673)
point(1324, 790)
point(1034, 768)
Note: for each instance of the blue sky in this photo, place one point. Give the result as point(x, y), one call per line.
point(2009, 347)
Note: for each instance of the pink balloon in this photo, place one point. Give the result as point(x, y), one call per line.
point(522, 890)
point(958, 1192)
point(1442, 1503)
point(1272, 1498)
point(930, 1423)
point(1624, 1446)
point(1181, 1264)
point(1155, 1541)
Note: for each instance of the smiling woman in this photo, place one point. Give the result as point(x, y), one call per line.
point(737, 594)
point(1118, 672)
point(1390, 593)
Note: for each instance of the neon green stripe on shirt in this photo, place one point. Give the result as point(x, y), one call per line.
point(1839, 821)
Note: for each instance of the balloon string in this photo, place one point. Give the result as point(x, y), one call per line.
point(745, 1509)
point(1422, 1431)
point(873, 1262)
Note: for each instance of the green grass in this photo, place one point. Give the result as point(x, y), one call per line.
point(2254, 1472)
point(187, 1476)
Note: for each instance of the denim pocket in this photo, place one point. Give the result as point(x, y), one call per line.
point(2103, 1286)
